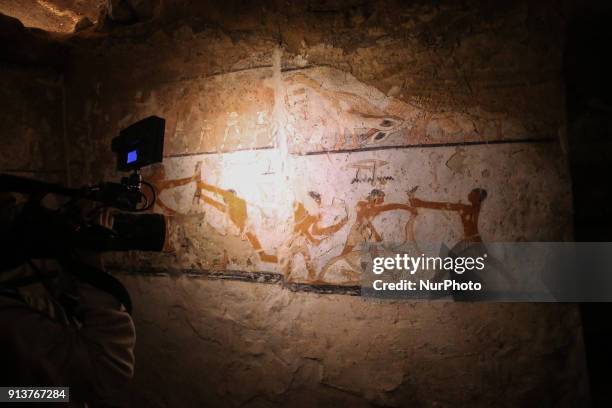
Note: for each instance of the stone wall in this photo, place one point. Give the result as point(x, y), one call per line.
point(31, 105)
point(289, 124)
point(215, 343)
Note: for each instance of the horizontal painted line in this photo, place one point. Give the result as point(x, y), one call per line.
point(324, 289)
point(387, 147)
point(234, 71)
point(215, 74)
point(242, 276)
point(431, 145)
point(211, 153)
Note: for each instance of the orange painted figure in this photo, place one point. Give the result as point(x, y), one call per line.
point(235, 208)
point(159, 182)
point(343, 111)
point(306, 231)
point(469, 213)
point(471, 244)
point(363, 230)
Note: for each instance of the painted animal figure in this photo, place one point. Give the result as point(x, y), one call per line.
point(345, 112)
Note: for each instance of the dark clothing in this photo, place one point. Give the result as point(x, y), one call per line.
point(41, 345)
point(86, 344)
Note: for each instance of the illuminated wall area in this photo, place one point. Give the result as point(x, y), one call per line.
point(295, 133)
point(289, 171)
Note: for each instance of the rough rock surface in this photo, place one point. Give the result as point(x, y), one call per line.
point(58, 16)
point(215, 343)
point(299, 96)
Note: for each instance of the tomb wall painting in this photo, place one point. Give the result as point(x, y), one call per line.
point(233, 212)
point(359, 167)
point(331, 110)
point(222, 113)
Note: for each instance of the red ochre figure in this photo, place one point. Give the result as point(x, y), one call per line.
point(469, 213)
point(306, 228)
point(159, 182)
point(235, 209)
point(363, 230)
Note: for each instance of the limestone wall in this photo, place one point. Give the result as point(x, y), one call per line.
point(286, 128)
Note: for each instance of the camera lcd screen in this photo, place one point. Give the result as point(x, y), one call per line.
point(132, 156)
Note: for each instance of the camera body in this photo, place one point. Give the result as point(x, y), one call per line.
point(44, 233)
point(38, 232)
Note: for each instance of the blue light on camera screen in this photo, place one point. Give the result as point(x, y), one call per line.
point(132, 156)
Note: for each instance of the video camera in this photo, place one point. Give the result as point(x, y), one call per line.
point(45, 233)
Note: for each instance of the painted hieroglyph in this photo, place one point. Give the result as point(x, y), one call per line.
point(358, 167)
point(232, 212)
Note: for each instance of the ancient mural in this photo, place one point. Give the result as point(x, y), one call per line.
point(231, 211)
point(331, 110)
point(217, 114)
point(359, 167)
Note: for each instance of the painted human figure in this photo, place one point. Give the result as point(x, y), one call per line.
point(307, 231)
point(410, 237)
point(471, 244)
point(160, 183)
point(232, 129)
point(235, 209)
point(158, 179)
point(363, 230)
point(469, 213)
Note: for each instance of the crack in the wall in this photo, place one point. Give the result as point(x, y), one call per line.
point(279, 113)
point(212, 74)
point(270, 278)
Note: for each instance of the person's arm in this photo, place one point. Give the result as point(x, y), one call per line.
point(310, 238)
point(331, 229)
point(435, 205)
point(213, 189)
point(210, 201)
point(390, 207)
point(40, 348)
point(163, 185)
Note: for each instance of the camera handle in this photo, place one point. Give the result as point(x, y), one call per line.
point(124, 196)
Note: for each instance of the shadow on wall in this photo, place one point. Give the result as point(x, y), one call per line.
point(588, 71)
